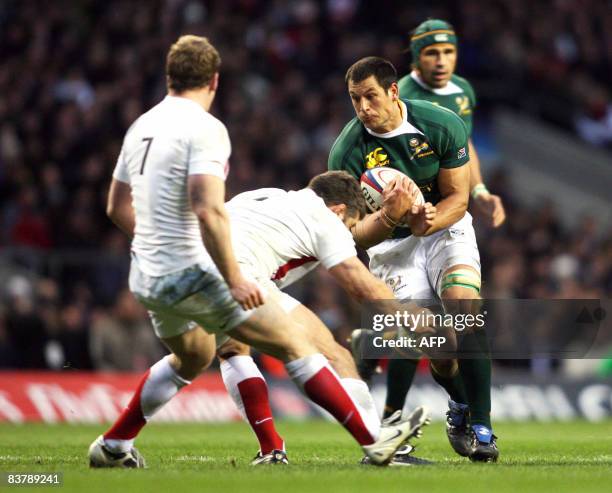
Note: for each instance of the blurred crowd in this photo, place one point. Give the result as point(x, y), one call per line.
point(74, 75)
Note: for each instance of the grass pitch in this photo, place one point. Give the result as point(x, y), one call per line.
point(558, 457)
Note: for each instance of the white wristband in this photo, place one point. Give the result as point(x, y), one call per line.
point(478, 190)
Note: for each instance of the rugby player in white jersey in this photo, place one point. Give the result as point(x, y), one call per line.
point(279, 237)
point(167, 193)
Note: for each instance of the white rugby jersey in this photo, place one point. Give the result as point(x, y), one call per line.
point(172, 140)
point(284, 235)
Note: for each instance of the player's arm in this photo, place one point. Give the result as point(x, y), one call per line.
point(206, 195)
point(450, 140)
point(491, 205)
point(358, 282)
point(454, 186)
point(119, 207)
point(398, 198)
point(475, 173)
point(362, 286)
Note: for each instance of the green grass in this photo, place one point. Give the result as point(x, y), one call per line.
point(558, 457)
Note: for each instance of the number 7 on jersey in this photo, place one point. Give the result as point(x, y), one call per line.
point(148, 140)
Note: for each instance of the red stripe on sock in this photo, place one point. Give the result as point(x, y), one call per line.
point(325, 390)
point(131, 420)
point(254, 394)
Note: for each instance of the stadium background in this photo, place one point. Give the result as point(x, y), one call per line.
point(74, 75)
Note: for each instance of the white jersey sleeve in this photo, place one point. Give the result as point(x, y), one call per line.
point(333, 242)
point(121, 172)
point(210, 151)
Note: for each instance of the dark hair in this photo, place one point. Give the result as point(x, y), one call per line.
point(383, 71)
point(338, 187)
point(191, 63)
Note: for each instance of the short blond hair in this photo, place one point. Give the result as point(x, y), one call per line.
point(191, 63)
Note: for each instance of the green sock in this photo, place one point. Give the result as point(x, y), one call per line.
point(476, 375)
point(453, 385)
point(400, 375)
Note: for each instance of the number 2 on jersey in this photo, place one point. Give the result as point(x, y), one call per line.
point(148, 140)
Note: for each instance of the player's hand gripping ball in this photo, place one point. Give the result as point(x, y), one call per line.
point(375, 180)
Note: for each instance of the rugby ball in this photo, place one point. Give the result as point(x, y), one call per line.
point(374, 181)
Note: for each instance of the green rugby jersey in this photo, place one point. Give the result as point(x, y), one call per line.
point(458, 95)
point(429, 138)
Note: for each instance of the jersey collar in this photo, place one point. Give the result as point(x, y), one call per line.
point(450, 88)
point(404, 128)
point(184, 101)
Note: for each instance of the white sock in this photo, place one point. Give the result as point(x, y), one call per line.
point(359, 392)
point(302, 369)
point(233, 371)
point(160, 386)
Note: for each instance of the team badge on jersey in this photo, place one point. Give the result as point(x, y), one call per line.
point(463, 103)
point(376, 158)
point(394, 283)
point(419, 149)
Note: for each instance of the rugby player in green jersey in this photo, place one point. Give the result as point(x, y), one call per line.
point(434, 53)
point(433, 259)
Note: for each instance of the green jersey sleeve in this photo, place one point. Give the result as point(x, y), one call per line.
point(454, 143)
point(446, 132)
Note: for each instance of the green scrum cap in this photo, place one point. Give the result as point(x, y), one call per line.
point(430, 32)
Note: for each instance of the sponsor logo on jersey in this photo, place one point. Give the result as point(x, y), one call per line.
point(424, 154)
point(376, 158)
point(413, 142)
point(461, 153)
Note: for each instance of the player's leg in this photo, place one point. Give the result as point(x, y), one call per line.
point(320, 336)
point(406, 272)
point(403, 270)
point(248, 389)
point(455, 267)
point(446, 250)
point(272, 331)
point(460, 293)
point(192, 351)
point(246, 385)
point(339, 358)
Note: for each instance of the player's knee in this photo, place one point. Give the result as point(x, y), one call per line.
point(193, 360)
point(233, 348)
point(458, 293)
point(342, 361)
point(460, 284)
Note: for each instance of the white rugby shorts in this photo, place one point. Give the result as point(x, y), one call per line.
point(413, 267)
point(198, 295)
point(179, 301)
